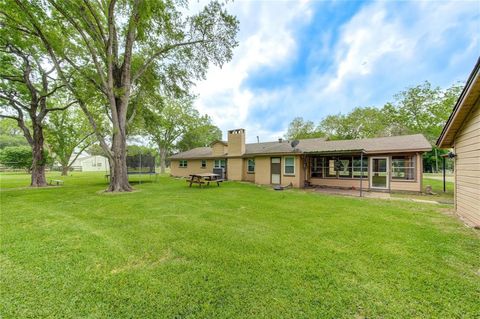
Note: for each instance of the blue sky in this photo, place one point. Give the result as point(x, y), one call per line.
point(314, 58)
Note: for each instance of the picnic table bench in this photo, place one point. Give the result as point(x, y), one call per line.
point(204, 178)
point(57, 182)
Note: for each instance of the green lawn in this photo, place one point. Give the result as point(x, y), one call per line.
point(237, 251)
point(437, 188)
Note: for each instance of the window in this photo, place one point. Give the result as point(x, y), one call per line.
point(403, 167)
point(343, 166)
point(251, 165)
point(330, 169)
point(219, 163)
point(203, 164)
point(317, 166)
point(183, 163)
point(289, 165)
point(99, 164)
point(338, 167)
point(359, 167)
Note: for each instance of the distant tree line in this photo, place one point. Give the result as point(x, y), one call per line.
point(420, 109)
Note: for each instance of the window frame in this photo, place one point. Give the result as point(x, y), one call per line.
point(327, 168)
point(285, 166)
point(365, 167)
point(183, 161)
point(324, 167)
point(248, 166)
point(203, 163)
point(413, 161)
point(317, 169)
point(220, 161)
point(349, 167)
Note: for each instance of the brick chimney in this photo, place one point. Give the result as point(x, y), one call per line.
point(236, 142)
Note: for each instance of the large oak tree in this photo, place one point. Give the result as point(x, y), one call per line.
point(26, 91)
point(111, 45)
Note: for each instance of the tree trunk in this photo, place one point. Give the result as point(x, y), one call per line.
point(65, 170)
point(118, 165)
point(163, 157)
point(38, 162)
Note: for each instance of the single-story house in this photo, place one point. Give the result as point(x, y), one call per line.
point(462, 134)
point(384, 163)
point(90, 163)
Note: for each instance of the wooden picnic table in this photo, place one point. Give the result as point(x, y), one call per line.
point(204, 178)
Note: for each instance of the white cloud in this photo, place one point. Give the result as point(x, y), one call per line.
point(382, 49)
point(265, 41)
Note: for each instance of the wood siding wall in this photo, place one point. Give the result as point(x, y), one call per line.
point(194, 166)
point(467, 168)
point(219, 149)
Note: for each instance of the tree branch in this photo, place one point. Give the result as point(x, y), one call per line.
point(53, 91)
point(9, 117)
point(13, 78)
point(85, 40)
point(61, 108)
point(164, 50)
point(82, 149)
point(97, 20)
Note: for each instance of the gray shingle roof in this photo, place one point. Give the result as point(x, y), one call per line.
point(390, 144)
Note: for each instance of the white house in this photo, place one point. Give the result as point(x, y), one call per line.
point(91, 163)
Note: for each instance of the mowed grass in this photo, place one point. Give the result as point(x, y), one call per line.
point(446, 197)
point(235, 251)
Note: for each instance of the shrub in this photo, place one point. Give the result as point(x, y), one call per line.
point(16, 157)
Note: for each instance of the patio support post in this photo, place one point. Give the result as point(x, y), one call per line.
point(361, 173)
point(444, 183)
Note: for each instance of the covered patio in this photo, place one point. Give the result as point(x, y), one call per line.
point(344, 172)
point(358, 171)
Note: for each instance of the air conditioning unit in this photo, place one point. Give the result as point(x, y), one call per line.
point(220, 172)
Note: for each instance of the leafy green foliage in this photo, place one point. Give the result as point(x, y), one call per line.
point(166, 120)
point(11, 134)
point(17, 157)
point(140, 150)
point(66, 132)
point(201, 133)
point(299, 128)
point(112, 52)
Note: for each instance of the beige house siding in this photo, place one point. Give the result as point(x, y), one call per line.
point(235, 169)
point(262, 170)
point(236, 142)
point(193, 167)
point(467, 167)
point(341, 182)
point(263, 175)
point(294, 179)
point(248, 177)
point(219, 149)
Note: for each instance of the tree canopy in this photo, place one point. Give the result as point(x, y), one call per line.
point(107, 50)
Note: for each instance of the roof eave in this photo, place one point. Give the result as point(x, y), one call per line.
point(473, 79)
